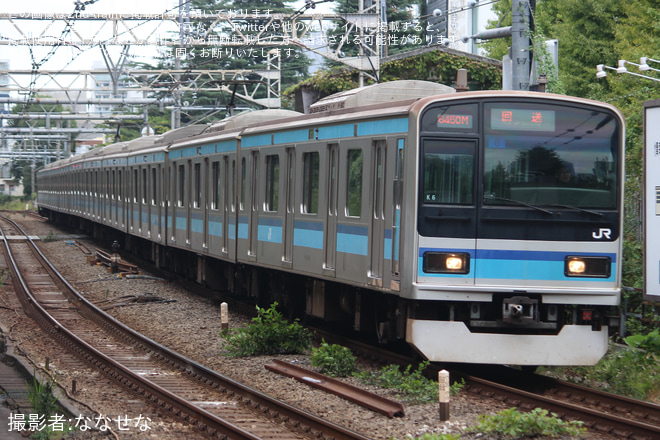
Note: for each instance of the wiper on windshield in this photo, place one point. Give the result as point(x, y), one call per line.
point(577, 208)
point(518, 202)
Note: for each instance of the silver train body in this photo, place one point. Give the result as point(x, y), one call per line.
point(440, 220)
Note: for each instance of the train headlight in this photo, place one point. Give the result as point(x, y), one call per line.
point(446, 262)
point(576, 267)
point(594, 267)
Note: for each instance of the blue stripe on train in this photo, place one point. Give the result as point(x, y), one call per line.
point(516, 265)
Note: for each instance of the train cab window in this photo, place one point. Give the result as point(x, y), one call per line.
point(310, 202)
point(548, 155)
point(215, 199)
point(198, 185)
point(182, 185)
point(272, 182)
point(354, 184)
point(448, 177)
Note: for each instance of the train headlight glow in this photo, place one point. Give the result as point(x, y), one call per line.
point(454, 263)
point(576, 267)
point(593, 267)
point(447, 262)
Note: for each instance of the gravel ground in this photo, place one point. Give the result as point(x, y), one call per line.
point(191, 325)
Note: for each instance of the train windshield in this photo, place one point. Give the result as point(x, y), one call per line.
point(539, 154)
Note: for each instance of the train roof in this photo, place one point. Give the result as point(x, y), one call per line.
point(379, 94)
point(250, 118)
point(172, 136)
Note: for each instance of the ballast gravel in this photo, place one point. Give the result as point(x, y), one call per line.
point(191, 325)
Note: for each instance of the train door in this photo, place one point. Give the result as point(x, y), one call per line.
point(162, 205)
point(121, 211)
point(225, 202)
point(204, 204)
point(187, 201)
point(135, 194)
point(378, 210)
point(230, 221)
point(447, 213)
point(145, 206)
point(253, 221)
point(397, 198)
point(331, 219)
point(154, 214)
point(198, 231)
point(107, 211)
point(289, 206)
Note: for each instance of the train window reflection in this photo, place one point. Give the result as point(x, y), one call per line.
point(272, 182)
point(574, 164)
point(243, 183)
point(310, 200)
point(198, 186)
point(182, 185)
point(448, 172)
point(354, 186)
point(215, 200)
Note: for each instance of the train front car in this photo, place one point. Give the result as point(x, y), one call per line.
point(517, 237)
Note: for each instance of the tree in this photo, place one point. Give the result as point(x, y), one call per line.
point(402, 33)
point(294, 63)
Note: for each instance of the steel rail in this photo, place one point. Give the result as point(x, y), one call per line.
point(279, 410)
point(596, 419)
point(158, 395)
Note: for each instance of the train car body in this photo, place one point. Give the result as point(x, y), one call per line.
point(480, 227)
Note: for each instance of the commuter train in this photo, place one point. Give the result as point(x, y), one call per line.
point(478, 227)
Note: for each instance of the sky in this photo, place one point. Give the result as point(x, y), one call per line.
point(75, 58)
point(81, 58)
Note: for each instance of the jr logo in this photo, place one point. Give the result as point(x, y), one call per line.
point(602, 233)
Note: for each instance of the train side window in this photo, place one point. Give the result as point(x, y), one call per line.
point(135, 186)
point(310, 202)
point(198, 185)
point(243, 182)
point(119, 187)
point(233, 184)
point(215, 185)
point(182, 185)
point(144, 185)
point(354, 184)
point(272, 182)
point(154, 186)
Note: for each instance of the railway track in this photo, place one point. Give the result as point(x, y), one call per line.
point(219, 406)
point(616, 416)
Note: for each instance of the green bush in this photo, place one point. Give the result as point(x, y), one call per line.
point(333, 360)
point(40, 395)
point(627, 371)
point(512, 424)
point(412, 385)
point(268, 333)
point(650, 343)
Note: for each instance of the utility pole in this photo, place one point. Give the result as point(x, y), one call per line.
point(520, 60)
point(518, 64)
